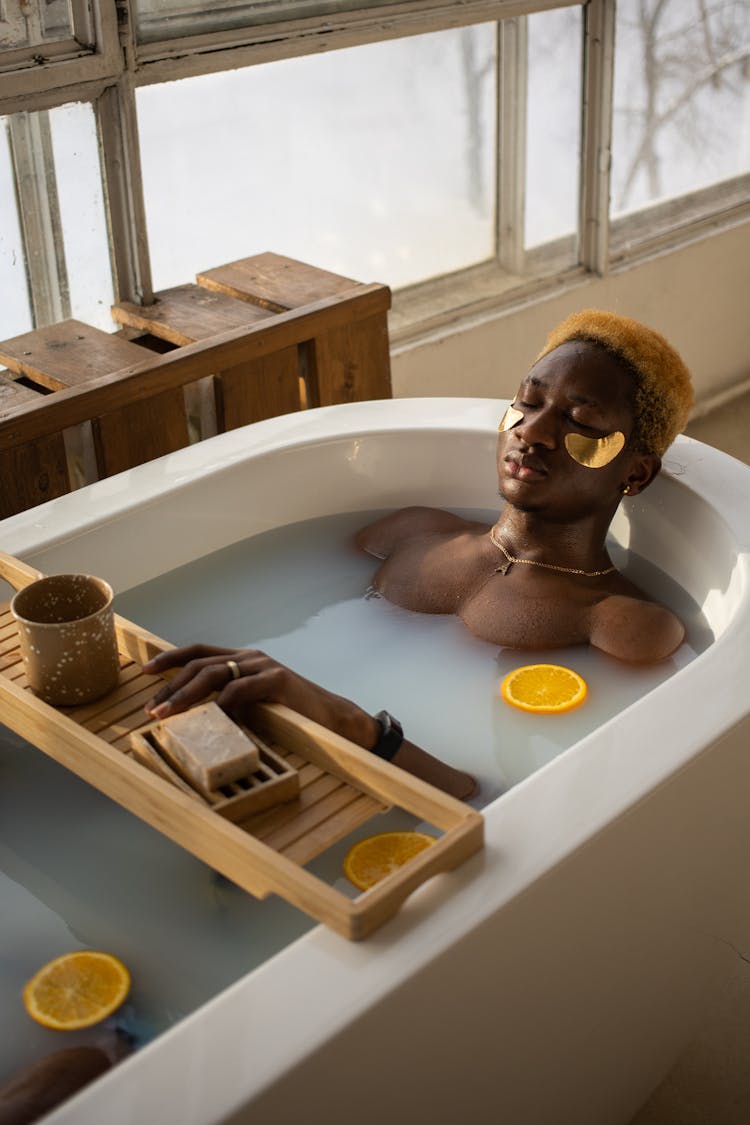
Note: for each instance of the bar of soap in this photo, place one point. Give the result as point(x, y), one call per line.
point(208, 747)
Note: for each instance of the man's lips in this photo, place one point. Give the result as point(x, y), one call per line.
point(524, 466)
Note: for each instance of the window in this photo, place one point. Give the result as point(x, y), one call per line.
point(373, 161)
point(682, 98)
point(681, 121)
point(54, 255)
point(553, 139)
point(458, 152)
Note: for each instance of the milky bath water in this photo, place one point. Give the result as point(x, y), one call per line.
point(77, 870)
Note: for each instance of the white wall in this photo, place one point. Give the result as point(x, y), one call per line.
point(697, 296)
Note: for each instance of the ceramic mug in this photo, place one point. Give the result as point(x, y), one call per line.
point(67, 632)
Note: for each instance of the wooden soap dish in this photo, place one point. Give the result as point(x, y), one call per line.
point(273, 782)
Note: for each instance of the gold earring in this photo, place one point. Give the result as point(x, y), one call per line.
point(626, 490)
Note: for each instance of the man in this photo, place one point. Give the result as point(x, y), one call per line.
point(589, 424)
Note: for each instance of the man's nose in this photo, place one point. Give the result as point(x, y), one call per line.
point(539, 427)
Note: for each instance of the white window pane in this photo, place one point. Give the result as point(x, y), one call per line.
point(553, 133)
point(81, 202)
point(54, 247)
point(15, 311)
point(374, 162)
point(682, 98)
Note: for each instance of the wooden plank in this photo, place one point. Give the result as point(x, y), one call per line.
point(320, 821)
point(186, 365)
point(188, 313)
point(351, 363)
point(141, 432)
point(363, 770)
point(276, 823)
point(68, 354)
point(349, 818)
point(262, 388)
point(274, 281)
point(31, 473)
point(71, 354)
point(13, 393)
point(250, 392)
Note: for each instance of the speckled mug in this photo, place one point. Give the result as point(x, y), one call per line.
point(67, 631)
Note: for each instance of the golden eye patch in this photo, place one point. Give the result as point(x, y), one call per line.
point(594, 453)
point(510, 418)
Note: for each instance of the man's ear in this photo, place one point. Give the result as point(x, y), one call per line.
point(642, 470)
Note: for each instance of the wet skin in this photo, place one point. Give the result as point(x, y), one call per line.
point(557, 511)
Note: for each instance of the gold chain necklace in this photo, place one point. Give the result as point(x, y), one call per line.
point(510, 559)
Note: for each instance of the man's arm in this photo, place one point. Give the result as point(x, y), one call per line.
point(203, 671)
point(633, 630)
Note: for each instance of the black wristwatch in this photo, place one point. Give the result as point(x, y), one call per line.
point(391, 736)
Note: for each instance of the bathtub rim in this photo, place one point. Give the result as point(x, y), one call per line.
point(44, 526)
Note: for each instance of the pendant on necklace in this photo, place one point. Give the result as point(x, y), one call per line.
point(504, 567)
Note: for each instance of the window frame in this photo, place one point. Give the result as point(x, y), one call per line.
point(92, 53)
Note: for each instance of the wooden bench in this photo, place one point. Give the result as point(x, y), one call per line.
point(262, 336)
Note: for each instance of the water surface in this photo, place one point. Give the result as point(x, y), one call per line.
point(77, 870)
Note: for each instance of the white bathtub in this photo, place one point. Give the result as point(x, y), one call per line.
point(553, 978)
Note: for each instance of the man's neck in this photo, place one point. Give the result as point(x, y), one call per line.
point(530, 535)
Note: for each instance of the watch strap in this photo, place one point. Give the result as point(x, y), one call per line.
point(391, 737)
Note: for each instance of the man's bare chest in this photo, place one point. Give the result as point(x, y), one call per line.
point(517, 609)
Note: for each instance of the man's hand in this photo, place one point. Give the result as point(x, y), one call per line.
point(206, 670)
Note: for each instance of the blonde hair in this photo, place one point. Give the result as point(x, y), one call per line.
point(663, 392)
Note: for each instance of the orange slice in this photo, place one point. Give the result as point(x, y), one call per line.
point(76, 990)
point(547, 689)
point(373, 858)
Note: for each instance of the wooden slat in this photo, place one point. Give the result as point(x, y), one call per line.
point(349, 818)
point(351, 363)
point(31, 473)
point(321, 820)
point(188, 313)
point(68, 354)
point(274, 281)
point(72, 354)
point(346, 364)
point(262, 388)
point(141, 432)
point(14, 393)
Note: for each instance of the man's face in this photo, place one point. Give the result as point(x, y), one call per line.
point(567, 453)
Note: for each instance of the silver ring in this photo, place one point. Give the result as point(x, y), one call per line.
point(234, 668)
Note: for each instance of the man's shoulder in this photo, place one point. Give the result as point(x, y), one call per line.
point(384, 535)
point(634, 629)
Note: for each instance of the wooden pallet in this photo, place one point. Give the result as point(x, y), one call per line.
point(249, 340)
point(341, 786)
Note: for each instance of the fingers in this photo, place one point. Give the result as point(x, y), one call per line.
point(238, 697)
point(178, 657)
point(205, 675)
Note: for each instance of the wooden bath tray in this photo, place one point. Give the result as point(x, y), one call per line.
point(341, 786)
